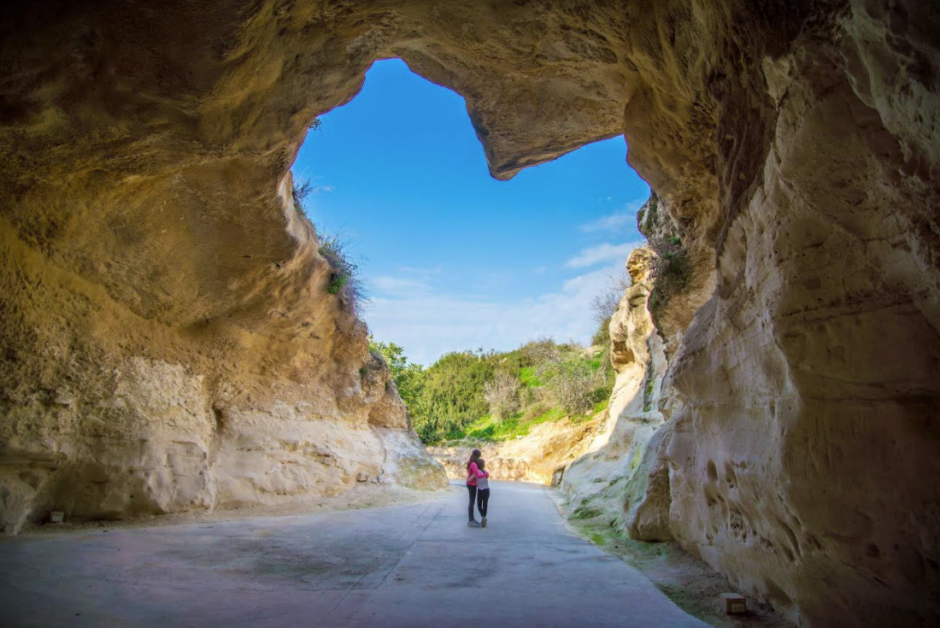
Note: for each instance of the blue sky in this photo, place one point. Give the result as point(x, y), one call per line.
point(452, 258)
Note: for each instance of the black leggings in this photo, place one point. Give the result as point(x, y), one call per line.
point(473, 495)
point(483, 500)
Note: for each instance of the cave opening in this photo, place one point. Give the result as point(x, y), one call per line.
point(175, 342)
point(389, 179)
point(398, 172)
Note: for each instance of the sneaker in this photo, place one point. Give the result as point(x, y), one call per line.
point(483, 523)
point(473, 523)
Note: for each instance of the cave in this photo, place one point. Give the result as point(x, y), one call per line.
point(167, 333)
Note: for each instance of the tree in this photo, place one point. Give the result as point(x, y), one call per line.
point(408, 377)
point(452, 395)
point(502, 395)
point(605, 305)
point(573, 380)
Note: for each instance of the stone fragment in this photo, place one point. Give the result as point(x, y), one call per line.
point(734, 603)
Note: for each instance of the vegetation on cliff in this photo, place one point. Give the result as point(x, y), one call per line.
point(671, 269)
point(500, 395)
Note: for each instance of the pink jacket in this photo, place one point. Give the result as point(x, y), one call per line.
point(473, 473)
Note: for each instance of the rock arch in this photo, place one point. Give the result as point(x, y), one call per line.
point(165, 324)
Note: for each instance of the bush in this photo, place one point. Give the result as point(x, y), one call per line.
point(502, 395)
point(573, 380)
point(344, 278)
point(452, 395)
point(408, 377)
point(496, 396)
point(605, 305)
point(671, 272)
point(602, 335)
point(301, 193)
point(539, 351)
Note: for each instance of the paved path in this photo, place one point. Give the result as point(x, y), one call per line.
point(412, 565)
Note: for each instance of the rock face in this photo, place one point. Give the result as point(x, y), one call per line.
point(167, 340)
point(540, 456)
point(627, 477)
point(108, 414)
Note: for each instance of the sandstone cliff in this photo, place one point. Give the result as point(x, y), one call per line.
point(109, 414)
point(626, 480)
point(158, 290)
point(540, 456)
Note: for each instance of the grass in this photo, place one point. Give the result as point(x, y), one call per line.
point(528, 377)
point(490, 430)
point(587, 512)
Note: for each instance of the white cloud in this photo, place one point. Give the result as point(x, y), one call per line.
point(615, 221)
point(430, 324)
point(606, 252)
point(398, 286)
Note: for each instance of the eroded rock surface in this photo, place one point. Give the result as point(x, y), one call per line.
point(627, 478)
point(167, 339)
point(108, 414)
point(540, 456)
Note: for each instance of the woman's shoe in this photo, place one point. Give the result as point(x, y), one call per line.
point(483, 523)
point(473, 523)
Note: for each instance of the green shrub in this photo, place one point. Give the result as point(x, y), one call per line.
point(408, 377)
point(528, 377)
point(572, 381)
point(452, 395)
point(671, 273)
point(344, 278)
point(448, 400)
point(602, 335)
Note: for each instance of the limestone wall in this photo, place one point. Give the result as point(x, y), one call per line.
point(107, 414)
point(167, 341)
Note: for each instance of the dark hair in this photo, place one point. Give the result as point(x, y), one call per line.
point(481, 463)
point(474, 456)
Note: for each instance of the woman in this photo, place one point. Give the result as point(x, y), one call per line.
point(473, 472)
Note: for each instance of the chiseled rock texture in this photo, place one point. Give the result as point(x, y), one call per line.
point(167, 340)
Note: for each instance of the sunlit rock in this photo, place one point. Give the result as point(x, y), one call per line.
point(168, 342)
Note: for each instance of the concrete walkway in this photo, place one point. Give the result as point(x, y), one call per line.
point(412, 565)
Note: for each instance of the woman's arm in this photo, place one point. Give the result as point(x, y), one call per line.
point(475, 470)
